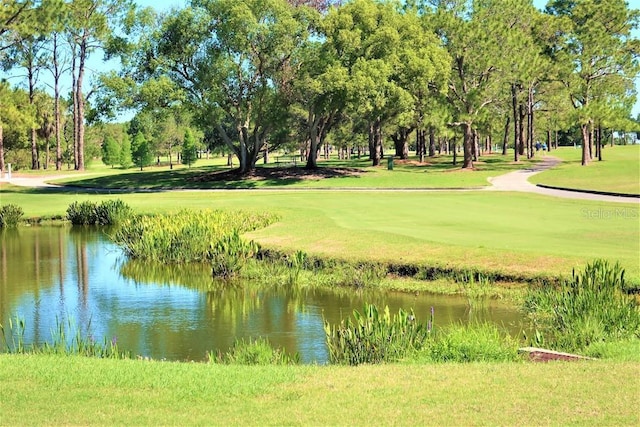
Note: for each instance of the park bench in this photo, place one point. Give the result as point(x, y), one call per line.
point(288, 160)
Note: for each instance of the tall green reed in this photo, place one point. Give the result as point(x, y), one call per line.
point(185, 236)
point(107, 212)
point(590, 307)
point(10, 216)
point(66, 339)
point(374, 337)
point(253, 352)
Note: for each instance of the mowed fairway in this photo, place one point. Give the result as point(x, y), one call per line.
point(510, 232)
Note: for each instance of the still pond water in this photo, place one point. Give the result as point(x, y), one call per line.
point(52, 274)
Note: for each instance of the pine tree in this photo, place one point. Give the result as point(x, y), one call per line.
point(189, 152)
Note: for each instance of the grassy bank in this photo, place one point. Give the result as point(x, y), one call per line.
point(50, 390)
point(618, 172)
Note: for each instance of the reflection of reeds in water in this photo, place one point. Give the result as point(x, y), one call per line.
point(193, 276)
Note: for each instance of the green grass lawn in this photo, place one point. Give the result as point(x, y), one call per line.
point(50, 390)
point(618, 172)
point(510, 232)
point(437, 172)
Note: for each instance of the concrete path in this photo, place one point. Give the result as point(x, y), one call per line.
point(516, 181)
point(519, 181)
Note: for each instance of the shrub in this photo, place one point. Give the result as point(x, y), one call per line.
point(254, 352)
point(10, 216)
point(591, 307)
point(82, 213)
point(108, 212)
point(372, 337)
point(112, 212)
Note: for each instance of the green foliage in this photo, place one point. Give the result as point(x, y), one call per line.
point(480, 342)
point(189, 150)
point(589, 308)
point(126, 158)
point(230, 254)
point(373, 337)
point(107, 212)
point(141, 151)
point(10, 215)
point(66, 339)
point(185, 236)
point(296, 264)
point(254, 352)
point(110, 151)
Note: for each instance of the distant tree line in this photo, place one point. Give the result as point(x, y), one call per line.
point(247, 77)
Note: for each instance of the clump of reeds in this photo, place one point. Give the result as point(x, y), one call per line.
point(66, 339)
point(107, 212)
point(374, 337)
point(185, 236)
point(10, 216)
point(253, 352)
point(230, 254)
point(590, 307)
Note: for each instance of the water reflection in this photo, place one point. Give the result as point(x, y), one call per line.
point(53, 273)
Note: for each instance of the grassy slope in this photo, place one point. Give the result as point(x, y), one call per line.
point(47, 390)
point(619, 171)
point(512, 232)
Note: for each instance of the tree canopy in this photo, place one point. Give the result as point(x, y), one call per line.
point(260, 75)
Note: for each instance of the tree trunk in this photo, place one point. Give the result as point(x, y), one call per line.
point(599, 143)
point(32, 136)
point(80, 103)
point(314, 140)
point(401, 142)
point(530, 132)
point(516, 125)
point(524, 144)
point(468, 146)
point(585, 144)
point(432, 141)
point(376, 139)
point(1, 148)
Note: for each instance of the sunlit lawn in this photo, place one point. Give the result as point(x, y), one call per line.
point(619, 170)
point(511, 232)
point(45, 390)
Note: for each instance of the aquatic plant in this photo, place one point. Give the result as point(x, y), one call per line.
point(374, 337)
point(10, 215)
point(230, 254)
point(253, 352)
point(590, 307)
point(476, 342)
point(66, 339)
point(107, 212)
point(185, 236)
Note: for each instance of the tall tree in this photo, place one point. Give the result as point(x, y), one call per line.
point(189, 149)
point(233, 59)
point(90, 26)
point(600, 54)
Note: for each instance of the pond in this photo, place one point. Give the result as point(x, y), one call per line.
point(54, 274)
